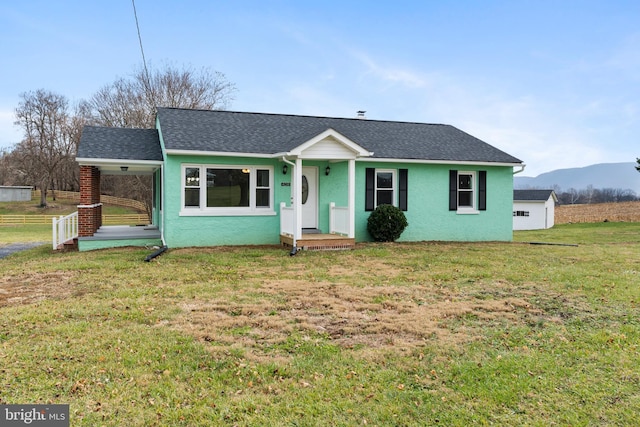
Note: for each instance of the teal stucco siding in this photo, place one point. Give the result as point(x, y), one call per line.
point(92, 244)
point(428, 211)
point(331, 188)
point(210, 230)
point(156, 212)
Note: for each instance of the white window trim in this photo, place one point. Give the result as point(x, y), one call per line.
point(251, 210)
point(394, 186)
point(473, 209)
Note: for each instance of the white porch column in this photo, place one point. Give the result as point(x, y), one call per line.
point(296, 203)
point(352, 198)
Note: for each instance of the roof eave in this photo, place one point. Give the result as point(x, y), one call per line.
point(121, 166)
point(88, 161)
point(445, 162)
point(174, 152)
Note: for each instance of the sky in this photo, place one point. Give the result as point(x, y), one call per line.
point(553, 83)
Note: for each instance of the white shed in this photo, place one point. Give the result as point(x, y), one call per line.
point(15, 194)
point(533, 209)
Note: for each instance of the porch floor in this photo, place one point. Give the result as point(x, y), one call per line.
point(319, 242)
point(114, 236)
point(125, 232)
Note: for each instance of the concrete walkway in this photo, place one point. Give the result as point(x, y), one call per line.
point(11, 248)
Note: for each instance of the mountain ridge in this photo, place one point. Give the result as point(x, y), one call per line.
point(601, 175)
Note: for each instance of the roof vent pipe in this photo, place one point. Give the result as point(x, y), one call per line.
point(361, 114)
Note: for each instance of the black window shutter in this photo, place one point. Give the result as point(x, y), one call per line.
point(482, 187)
point(453, 190)
point(403, 189)
point(369, 195)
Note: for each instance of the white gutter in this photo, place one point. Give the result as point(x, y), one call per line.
point(522, 166)
point(440, 162)
point(282, 155)
point(83, 161)
point(219, 154)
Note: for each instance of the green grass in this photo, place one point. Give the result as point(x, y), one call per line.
point(388, 334)
point(57, 207)
point(24, 233)
point(42, 233)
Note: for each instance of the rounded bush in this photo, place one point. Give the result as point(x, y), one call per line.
point(386, 223)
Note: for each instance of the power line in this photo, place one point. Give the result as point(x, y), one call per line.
point(144, 60)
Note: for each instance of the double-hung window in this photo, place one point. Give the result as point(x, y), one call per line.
point(386, 187)
point(467, 191)
point(227, 190)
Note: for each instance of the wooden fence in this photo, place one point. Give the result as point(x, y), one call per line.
point(110, 200)
point(134, 219)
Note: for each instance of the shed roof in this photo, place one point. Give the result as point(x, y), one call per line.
point(533, 195)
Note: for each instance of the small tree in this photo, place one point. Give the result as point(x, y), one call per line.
point(47, 142)
point(132, 102)
point(386, 223)
point(638, 161)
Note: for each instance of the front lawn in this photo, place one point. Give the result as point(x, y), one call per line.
point(418, 334)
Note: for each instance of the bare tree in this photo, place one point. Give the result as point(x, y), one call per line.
point(132, 103)
point(574, 196)
point(590, 194)
point(8, 173)
point(47, 142)
point(68, 178)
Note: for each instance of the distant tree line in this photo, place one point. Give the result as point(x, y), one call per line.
point(51, 128)
point(595, 195)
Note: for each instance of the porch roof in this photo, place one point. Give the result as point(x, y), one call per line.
point(120, 150)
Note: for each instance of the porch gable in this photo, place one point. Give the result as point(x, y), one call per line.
point(329, 145)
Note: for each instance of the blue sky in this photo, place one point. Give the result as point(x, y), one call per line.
point(554, 83)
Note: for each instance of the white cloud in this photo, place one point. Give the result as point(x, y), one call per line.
point(391, 73)
point(553, 127)
point(532, 129)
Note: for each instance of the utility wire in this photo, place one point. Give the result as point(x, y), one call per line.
point(147, 82)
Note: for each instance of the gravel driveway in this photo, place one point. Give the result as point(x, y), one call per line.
point(7, 250)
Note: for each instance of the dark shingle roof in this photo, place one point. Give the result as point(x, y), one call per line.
point(227, 131)
point(532, 195)
point(119, 143)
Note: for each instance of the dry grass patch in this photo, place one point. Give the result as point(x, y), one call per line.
point(259, 319)
point(29, 288)
point(598, 212)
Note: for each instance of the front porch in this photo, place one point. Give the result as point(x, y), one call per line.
point(121, 235)
point(340, 237)
point(318, 242)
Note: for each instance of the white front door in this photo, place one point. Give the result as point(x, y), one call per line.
point(309, 197)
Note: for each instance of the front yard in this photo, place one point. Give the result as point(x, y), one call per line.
point(387, 334)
